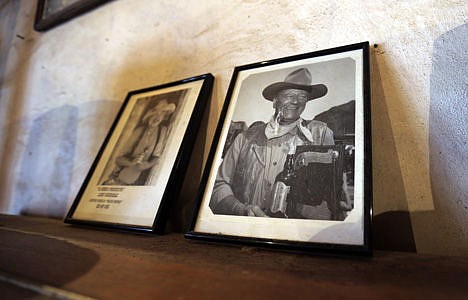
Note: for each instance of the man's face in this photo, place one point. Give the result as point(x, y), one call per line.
point(290, 104)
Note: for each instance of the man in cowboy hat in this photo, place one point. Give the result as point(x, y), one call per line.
point(245, 178)
point(142, 151)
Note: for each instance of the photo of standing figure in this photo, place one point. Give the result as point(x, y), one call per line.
point(141, 150)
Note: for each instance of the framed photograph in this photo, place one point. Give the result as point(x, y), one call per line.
point(54, 12)
point(140, 167)
point(291, 165)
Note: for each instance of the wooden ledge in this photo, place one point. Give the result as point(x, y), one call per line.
point(107, 264)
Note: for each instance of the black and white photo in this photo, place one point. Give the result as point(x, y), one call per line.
point(140, 165)
point(290, 152)
point(250, 180)
point(143, 140)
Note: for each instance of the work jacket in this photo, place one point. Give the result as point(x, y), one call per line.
point(242, 172)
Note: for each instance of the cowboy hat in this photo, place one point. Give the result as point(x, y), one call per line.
point(299, 79)
point(162, 107)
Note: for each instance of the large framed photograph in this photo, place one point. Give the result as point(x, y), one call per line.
point(140, 167)
point(51, 13)
point(291, 167)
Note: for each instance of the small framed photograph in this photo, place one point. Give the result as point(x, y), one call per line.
point(140, 167)
point(50, 13)
point(291, 165)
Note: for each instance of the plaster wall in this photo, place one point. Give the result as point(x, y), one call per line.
point(60, 91)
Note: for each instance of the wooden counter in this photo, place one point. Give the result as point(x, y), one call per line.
point(41, 256)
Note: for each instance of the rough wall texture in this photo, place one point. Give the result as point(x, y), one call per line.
point(61, 89)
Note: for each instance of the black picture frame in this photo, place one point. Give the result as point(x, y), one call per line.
point(140, 167)
point(343, 228)
point(51, 13)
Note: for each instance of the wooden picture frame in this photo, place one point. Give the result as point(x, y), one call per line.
point(141, 165)
point(290, 167)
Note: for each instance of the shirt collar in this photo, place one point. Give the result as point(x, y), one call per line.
point(273, 129)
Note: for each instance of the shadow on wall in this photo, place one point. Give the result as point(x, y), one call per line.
point(19, 40)
point(44, 177)
point(392, 229)
point(47, 166)
point(446, 228)
point(8, 12)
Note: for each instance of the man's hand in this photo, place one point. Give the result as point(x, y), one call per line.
point(254, 211)
point(144, 165)
point(230, 205)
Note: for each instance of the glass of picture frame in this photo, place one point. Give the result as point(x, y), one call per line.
point(140, 167)
point(290, 167)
